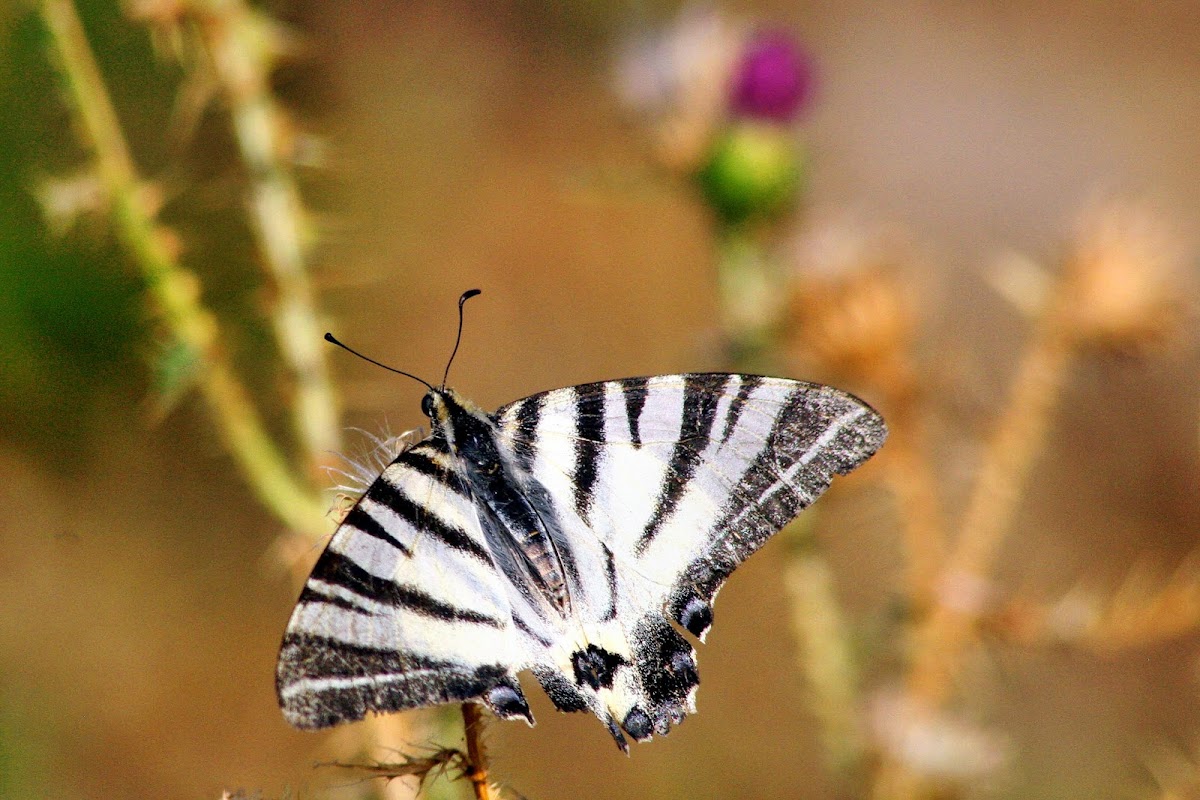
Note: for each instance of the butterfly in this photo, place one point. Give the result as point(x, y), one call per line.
point(575, 533)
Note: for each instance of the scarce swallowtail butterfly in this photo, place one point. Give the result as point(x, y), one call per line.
point(568, 533)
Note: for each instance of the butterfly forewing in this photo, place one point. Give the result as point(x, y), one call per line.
point(687, 467)
point(641, 497)
point(403, 609)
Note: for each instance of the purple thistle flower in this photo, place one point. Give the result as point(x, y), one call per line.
point(774, 79)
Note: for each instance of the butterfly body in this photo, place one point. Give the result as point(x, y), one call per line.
point(515, 529)
point(569, 534)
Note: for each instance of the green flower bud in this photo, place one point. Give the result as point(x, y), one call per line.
point(754, 171)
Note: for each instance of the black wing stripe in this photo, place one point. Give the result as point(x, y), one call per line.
point(527, 414)
point(361, 520)
point(700, 396)
point(323, 681)
point(524, 628)
point(425, 465)
point(610, 575)
point(339, 570)
point(748, 384)
point(422, 603)
point(384, 493)
point(764, 472)
point(327, 657)
point(589, 430)
point(635, 401)
point(311, 595)
point(776, 487)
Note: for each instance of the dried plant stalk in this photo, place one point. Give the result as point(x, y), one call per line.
point(825, 658)
point(174, 290)
point(420, 768)
point(476, 768)
point(1142, 611)
point(910, 477)
point(942, 639)
point(1020, 435)
point(1117, 291)
point(1139, 620)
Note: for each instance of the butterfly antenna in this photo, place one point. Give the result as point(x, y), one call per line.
point(329, 337)
point(467, 295)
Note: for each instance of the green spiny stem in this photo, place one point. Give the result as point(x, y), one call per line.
point(174, 291)
point(240, 46)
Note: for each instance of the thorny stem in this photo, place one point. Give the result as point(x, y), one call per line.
point(1139, 613)
point(945, 636)
point(1020, 436)
point(476, 767)
point(238, 43)
point(174, 290)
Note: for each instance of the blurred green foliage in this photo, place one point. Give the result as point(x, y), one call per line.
point(70, 311)
point(76, 337)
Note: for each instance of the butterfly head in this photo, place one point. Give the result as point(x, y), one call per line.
point(437, 404)
point(443, 406)
point(456, 419)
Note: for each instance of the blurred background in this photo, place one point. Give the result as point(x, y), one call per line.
point(534, 150)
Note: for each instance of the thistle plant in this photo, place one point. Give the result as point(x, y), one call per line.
point(227, 51)
point(837, 302)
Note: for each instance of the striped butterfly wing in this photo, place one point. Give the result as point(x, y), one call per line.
point(404, 608)
point(661, 487)
point(649, 492)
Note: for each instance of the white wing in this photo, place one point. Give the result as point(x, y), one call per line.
point(404, 608)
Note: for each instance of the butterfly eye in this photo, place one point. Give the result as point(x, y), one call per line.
point(427, 405)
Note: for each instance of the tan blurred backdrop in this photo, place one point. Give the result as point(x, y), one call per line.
point(479, 144)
